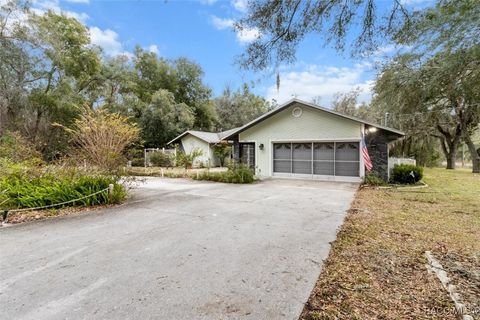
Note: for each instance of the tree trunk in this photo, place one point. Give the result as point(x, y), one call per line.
point(450, 144)
point(451, 163)
point(473, 153)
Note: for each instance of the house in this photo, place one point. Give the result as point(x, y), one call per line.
point(191, 139)
point(302, 140)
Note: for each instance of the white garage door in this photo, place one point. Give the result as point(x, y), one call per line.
point(317, 158)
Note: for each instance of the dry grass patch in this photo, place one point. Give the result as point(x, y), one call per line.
point(170, 172)
point(376, 269)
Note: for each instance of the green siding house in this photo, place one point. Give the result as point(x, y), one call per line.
point(301, 140)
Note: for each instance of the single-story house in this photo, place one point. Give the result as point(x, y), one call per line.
point(301, 140)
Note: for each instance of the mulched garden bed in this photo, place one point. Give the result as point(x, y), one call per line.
point(21, 217)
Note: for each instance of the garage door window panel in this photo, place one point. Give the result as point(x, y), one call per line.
point(302, 158)
point(347, 159)
point(323, 158)
point(282, 157)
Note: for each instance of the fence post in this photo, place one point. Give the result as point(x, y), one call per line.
point(161, 170)
point(110, 192)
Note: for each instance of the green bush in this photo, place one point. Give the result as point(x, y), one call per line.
point(406, 174)
point(160, 159)
point(234, 174)
point(16, 148)
point(373, 179)
point(138, 162)
point(26, 189)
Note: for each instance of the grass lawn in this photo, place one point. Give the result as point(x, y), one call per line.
point(376, 269)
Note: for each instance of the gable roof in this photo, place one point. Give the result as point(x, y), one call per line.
point(212, 137)
point(293, 101)
point(209, 137)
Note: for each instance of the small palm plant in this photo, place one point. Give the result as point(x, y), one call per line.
point(186, 160)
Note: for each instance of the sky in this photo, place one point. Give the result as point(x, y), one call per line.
point(202, 31)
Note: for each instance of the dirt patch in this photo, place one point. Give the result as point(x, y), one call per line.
point(464, 273)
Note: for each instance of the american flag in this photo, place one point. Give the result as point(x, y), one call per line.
point(366, 157)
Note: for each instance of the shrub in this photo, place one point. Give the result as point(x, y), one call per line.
point(103, 138)
point(222, 151)
point(138, 162)
point(234, 174)
point(160, 159)
point(23, 188)
point(373, 179)
point(406, 174)
point(14, 147)
point(186, 160)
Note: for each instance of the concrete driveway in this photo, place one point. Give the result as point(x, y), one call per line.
point(178, 249)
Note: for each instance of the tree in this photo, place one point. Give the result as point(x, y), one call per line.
point(346, 103)
point(181, 77)
point(190, 90)
point(164, 118)
point(46, 65)
point(222, 151)
point(234, 109)
point(283, 24)
point(103, 137)
point(450, 24)
point(440, 94)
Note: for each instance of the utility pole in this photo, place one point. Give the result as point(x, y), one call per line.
point(386, 119)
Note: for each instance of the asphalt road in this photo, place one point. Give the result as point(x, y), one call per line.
point(177, 249)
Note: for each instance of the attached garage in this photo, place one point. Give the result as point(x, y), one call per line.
point(322, 159)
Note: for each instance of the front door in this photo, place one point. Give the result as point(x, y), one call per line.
point(247, 154)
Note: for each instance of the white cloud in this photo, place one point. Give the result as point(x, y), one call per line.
point(153, 48)
point(222, 24)
point(248, 35)
point(107, 39)
point(314, 81)
point(245, 35)
point(41, 6)
point(240, 5)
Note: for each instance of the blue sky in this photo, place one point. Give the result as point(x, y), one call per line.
point(202, 31)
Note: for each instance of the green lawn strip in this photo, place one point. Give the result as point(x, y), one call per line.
point(376, 269)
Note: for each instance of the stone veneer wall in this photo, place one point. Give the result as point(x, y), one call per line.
point(377, 145)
